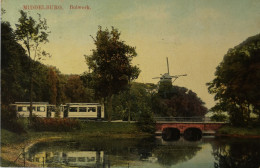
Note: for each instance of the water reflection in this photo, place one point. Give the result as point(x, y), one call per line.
point(148, 152)
point(69, 159)
point(239, 154)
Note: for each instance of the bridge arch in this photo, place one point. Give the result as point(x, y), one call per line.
point(192, 134)
point(171, 133)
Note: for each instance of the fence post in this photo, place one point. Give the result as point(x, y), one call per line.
point(43, 162)
point(24, 156)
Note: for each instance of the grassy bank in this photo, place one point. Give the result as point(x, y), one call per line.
point(91, 129)
point(239, 131)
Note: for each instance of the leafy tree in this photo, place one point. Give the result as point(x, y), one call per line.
point(32, 33)
point(179, 102)
point(61, 88)
point(110, 65)
point(237, 82)
point(52, 82)
point(219, 117)
point(75, 90)
point(134, 102)
point(13, 75)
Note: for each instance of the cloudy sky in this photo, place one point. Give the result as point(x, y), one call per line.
point(193, 34)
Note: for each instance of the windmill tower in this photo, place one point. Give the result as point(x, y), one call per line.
point(166, 77)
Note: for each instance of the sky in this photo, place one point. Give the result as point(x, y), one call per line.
point(193, 34)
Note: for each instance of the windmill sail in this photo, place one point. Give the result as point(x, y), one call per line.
point(167, 77)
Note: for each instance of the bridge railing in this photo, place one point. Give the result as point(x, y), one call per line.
point(183, 119)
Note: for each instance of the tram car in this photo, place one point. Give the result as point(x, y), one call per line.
point(83, 111)
point(93, 111)
point(39, 109)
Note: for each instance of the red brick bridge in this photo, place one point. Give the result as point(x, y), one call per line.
point(193, 128)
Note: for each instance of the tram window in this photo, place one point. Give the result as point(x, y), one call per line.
point(91, 159)
point(33, 108)
point(41, 109)
point(51, 108)
point(82, 109)
point(72, 159)
point(92, 109)
point(81, 159)
point(20, 108)
point(73, 109)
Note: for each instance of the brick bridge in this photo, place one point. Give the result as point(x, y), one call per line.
point(191, 128)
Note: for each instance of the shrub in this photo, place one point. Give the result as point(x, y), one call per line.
point(219, 118)
point(55, 124)
point(146, 122)
point(10, 122)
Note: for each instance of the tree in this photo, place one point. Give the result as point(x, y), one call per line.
point(110, 65)
point(76, 92)
point(179, 102)
point(32, 33)
point(52, 82)
point(133, 102)
point(13, 75)
point(237, 82)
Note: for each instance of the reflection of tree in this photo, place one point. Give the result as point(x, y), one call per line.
point(238, 154)
point(171, 155)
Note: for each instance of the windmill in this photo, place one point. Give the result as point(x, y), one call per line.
point(167, 77)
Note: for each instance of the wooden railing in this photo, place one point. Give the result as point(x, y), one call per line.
point(183, 119)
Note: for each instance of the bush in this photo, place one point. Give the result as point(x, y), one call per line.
point(146, 122)
point(10, 122)
point(219, 118)
point(55, 124)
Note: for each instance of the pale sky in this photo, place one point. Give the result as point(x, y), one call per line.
point(193, 34)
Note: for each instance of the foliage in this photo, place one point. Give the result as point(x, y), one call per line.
point(75, 90)
point(52, 82)
point(134, 101)
point(14, 81)
point(9, 121)
point(110, 65)
point(55, 124)
point(219, 118)
point(178, 102)
point(237, 82)
point(240, 131)
point(146, 123)
point(32, 33)
point(48, 83)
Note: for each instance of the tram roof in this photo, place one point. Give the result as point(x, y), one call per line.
point(34, 103)
point(80, 104)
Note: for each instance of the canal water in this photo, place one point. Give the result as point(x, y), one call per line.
point(208, 152)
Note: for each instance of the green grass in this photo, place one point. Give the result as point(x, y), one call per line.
point(91, 129)
point(242, 131)
point(8, 137)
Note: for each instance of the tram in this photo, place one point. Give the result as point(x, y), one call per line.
point(39, 109)
point(93, 111)
point(82, 110)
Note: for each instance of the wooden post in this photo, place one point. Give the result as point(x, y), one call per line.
point(24, 156)
point(43, 162)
